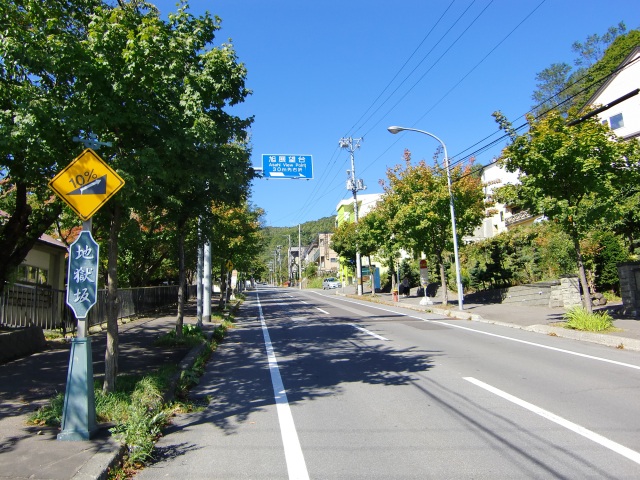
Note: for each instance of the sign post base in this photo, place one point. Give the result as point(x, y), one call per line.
point(79, 412)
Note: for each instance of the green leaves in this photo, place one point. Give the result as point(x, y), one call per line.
point(566, 172)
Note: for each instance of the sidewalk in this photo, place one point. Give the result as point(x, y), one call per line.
point(532, 318)
point(28, 383)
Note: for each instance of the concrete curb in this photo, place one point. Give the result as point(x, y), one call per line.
point(97, 468)
point(599, 338)
point(99, 465)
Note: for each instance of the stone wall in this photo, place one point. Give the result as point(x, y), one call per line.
point(563, 293)
point(629, 274)
point(20, 343)
point(566, 294)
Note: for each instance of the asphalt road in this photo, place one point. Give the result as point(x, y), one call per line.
point(313, 385)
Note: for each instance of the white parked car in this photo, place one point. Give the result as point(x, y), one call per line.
point(330, 282)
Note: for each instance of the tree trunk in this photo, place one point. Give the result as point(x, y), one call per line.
point(392, 269)
point(112, 350)
point(586, 293)
point(20, 232)
point(223, 285)
point(181, 283)
point(443, 281)
point(372, 277)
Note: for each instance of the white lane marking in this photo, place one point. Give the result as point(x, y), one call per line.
point(540, 345)
point(323, 311)
point(594, 437)
point(369, 332)
point(504, 337)
point(296, 465)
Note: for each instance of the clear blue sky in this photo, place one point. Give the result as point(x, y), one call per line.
point(323, 70)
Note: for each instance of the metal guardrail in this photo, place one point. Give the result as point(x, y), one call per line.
point(28, 305)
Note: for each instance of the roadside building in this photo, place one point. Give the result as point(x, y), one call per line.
point(345, 213)
point(499, 217)
point(623, 117)
point(322, 255)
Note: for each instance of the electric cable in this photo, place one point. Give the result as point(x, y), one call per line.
point(437, 43)
point(428, 71)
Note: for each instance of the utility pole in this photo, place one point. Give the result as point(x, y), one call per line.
point(289, 256)
point(206, 282)
point(299, 257)
point(354, 185)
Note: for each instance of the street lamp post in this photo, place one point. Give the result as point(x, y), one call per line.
point(394, 130)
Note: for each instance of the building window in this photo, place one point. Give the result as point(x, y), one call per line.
point(616, 121)
point(32, 275)
point(345, 216)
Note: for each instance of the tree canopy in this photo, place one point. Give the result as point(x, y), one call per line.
point(417, 203)
point(569, 174)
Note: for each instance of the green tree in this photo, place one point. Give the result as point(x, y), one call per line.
point(159, 90)
point(417, 197)
point(40, 48)
point(560, 87)
point(344, 240)
point(568, 175)
point(236, 236)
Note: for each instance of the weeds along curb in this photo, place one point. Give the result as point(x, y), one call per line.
point(168, 396)
point(186, 364)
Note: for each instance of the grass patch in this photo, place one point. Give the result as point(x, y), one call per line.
point(50, 414)
point(136, 408)
point(612, 297)
point(192, 335)
point(577, 318)
point(315, 282)
point(53, 334)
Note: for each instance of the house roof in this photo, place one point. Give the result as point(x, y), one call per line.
point(634, 53)
point(44, 238)
point(49, 240)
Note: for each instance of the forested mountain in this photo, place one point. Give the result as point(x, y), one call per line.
point(274, 236)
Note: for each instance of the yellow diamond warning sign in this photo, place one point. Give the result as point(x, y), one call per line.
point(86, 184)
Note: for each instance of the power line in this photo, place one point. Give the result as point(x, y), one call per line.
point(402, 68)
point(542, 114)
point(438, 42)
point(429, 69)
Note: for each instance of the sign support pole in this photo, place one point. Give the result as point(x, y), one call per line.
point(79, 411)
point(206, 283)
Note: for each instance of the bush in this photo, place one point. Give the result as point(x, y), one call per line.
point(144, 419)
point(315, 282)
point(523, 255)
point(579, 319)
point(602, 254)
point(191, 336)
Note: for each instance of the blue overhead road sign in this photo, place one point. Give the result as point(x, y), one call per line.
point(287, 166)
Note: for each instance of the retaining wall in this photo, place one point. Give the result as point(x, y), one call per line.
point(20, 343)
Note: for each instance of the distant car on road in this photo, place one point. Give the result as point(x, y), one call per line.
point(330, 282)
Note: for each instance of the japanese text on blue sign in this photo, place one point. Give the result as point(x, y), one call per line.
point(82, 274)
point(287, 166)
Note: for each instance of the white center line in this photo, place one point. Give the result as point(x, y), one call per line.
point(495, 335)
point(594, 437)
point(323, 311)
point(296, 466)
point(369, 332)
